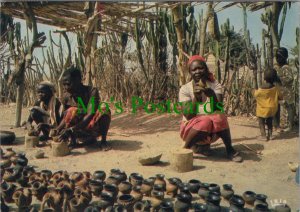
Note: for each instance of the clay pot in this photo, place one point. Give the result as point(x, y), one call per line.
point(66, 187)
point(29, 169)
point(213, 202)
point(92, 209)
point(39, 189)
point(136, 179)
point(99, 175)
point(125, 187)
point(183, 202)
point(172, 187)
point(11, 174)
point(197, 207)
point(119, 174)
point(112, 180)
point(157, 187)
point(5, 162)
point(249, 197)
point(166, 206)
point(160, 181)
point(227, 191)
point(156, 199)
point(21, 160)
point(76, 205)
point(237, 203)
point(142, 206)
point(7, 191)
point(22, 198)
point(260, 199)
point(96, 187)
point(282, 208)
point(106, 200)
point(261, 208)
point(54, 199)
point(46, 174)
point(4, 207)
point(146, 187)
point(9, 153)
point(127, 201)
point(112, 189)
point(136, 193)
point(56, 177)
point(194, 186)
point(83, 194)
point(24, 178)
point(214, 188)
point(203, 190)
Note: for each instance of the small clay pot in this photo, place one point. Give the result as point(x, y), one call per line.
point(156, 199)
point(76, 205)
point(194, 186)
point(203, 190)
point(39, 189)
point(227, 191)
point(11, 174)
point(24, 178)
point(125, 187)
point(142, 206)
point(237, 203)
point(249, 197)
point(119, 174)
point(96, 187)
point(160, 181)
point(136, 179)
point(282, 208)
point(185, 188)
point(22, 198)
point(183, 202)
point(99, 175)
point(5, 162)
point(261, 208)
point(9, 153)
point(198, 207)
point(260, 199)
point(127, 201)
point(172, 187)
point(21, 160)
point(29, 169)
point(214, 188)
point(213, 201)
point(158, 187)
point(7, 191)
point(34, 177)
point(112, 189)
point(46, 174)
point(146, 187)
point(106, 200)
point(112, 180)
point(66, 187)
point(136, 193)
point(166, 206)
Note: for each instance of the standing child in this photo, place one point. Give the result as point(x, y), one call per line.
point(267, 104)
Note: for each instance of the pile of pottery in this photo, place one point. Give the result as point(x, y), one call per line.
point(84, 191)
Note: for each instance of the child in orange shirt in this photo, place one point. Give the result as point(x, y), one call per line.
point(267, 104)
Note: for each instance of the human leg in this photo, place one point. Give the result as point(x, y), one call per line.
point(262, 125)
point(291, 115)
point(40, 118)
point(270, 128)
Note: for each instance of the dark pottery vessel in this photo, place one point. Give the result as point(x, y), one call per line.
point(198, 207)
point(22, 198)
point(21, 160)
point(5, 162)
point(260, 199)
point(166, 206)
point(213, 202)
point(156, 198)
point(194, 186)
point(92, 209)
point(136, 179)
point(127, 201)
point(112, 180)
point(282, 208)
point(39, 189)
point(214, 187)
point(261, 208)
point(46, 174)
point(112, 189)
point(125, 187)
point(158, 187)
point(249, 197)
point(7, 191)
point(203, 190)
point(142, 206)
point(146, 187)
point(160, 180)
point(227, 191)
point(9, 153)
point(23, 179)
point(96, 187)
point(183, 202)
point(136, 193)
point(76, 205)
point(172, 187)
point(237, 203)
point(99, 175)
point(119, 174)
point(106, 200)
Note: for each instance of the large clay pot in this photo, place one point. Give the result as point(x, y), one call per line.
point(249, 197)
point(112, 180)
point(260, 199)
point(66, 187)
point(7, 191)
point(56, 177)
point(172, 187)
point(194, 186)
point(76, 205)
point(99, 175)
point(237, 203)
point(127, 201)
point(125, 187)
point(35, 177)
point(22, 198)
point(54, 198)
point(39, 189)
point(146, 187)
point(166, 206)
point(227, 191)
point(160, 181)
point(136, 193)
point(203, 190)
point(83, 194)
point(96, 187)
point(183, 202)
point(24, 178)
point(136, 179)
point(46, 175)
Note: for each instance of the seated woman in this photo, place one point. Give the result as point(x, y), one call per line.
point(79, 124)
point(201, 126)
point(47, 110)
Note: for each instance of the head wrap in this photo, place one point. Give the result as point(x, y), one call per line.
point(283, 52)
point(49, 85)
point(193, 58)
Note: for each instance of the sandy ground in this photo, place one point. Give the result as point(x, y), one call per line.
point(132, 135)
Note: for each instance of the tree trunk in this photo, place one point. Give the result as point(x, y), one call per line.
point(203, 27)
point(19, 101)
point(259, 69)
point(276, 9)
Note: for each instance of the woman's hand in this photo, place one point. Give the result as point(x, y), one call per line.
point(66, 133)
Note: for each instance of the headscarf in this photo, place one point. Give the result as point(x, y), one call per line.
point(283, 52)
point(49, 85)
point(193, 58)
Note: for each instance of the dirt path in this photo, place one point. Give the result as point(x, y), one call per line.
point(132, 135)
